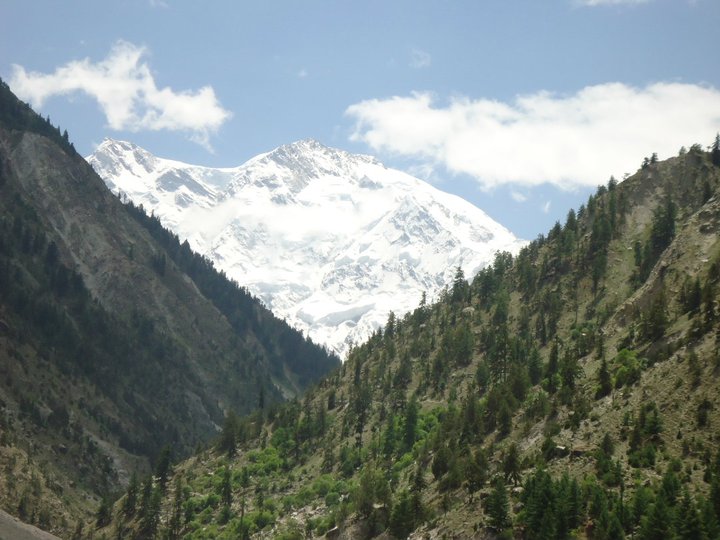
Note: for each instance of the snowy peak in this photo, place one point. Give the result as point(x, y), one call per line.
point(316, 159)
point(330, 241)
point(293, 166)
point(119, 156)
point(157, 183)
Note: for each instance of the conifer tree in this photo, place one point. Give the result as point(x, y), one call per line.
point(402, 520)
point(226, 487)
point(498, 506)
point(708, 301)
point(476, 471)
point(715, 151)
point(460, 286)
point(511, 465)
point(162, 469)
point(658, 524)
point(175, 521)
point(150, 514)
point(131, 496)
point(710, 524)
point(688, 523)
point(411, 420)
point(604, 380)
point(441, 462)
point(103, 515)
point(534, 366)
point(539, 514)
point(146, 494)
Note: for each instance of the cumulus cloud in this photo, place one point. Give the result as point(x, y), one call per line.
point(566, 140)
point(125, 89)
point(420, 59)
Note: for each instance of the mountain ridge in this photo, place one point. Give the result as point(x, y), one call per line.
point(571, 391)
point(118, 344)
point(313, 231)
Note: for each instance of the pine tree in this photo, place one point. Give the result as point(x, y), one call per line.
point(670, 488)
point(162, 469)
point(498, 506)
point(658, 524)
point(540, 513)
point(103, 516)
point(694, 297)
point(655, 320)
point(708, 301)
point(228, 436)
point(131, 496)
point(226, 487)
point(511, 465)
point(476, 471)
point(715, 151)
point(175, 522)
point(710, 524)
point(534, 366)
point(150, 514)
point(146, 494)
point(604, 380)
point(441, 462)
point(688, 524)
point(411, 420)
point(460, 286)
point(402, 518)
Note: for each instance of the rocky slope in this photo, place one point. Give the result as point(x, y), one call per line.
point(330, 241)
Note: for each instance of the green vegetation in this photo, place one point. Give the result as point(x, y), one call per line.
point(570, 391)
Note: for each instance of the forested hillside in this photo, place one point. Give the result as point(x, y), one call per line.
point(571, 391)
point(118, 346)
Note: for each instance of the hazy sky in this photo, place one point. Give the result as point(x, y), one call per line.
point(521, 107)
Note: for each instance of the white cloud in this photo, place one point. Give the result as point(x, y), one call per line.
point(302, 74)
point(518, 197)
point(125, 89)
point(566, 140)
point(546, 207)
point(420, 59)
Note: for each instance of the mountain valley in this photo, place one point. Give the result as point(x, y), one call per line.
point(570, 391)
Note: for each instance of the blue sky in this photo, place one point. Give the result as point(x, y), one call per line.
point(521, 107)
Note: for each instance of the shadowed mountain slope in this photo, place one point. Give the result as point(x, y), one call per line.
point(115, 340)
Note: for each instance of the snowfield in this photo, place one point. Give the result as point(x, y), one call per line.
point(328, 240)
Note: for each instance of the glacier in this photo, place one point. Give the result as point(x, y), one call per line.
point(329, 240)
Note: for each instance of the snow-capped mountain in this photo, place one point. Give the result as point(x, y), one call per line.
point(330, 241)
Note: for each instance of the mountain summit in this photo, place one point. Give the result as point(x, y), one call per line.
point(329, 240)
